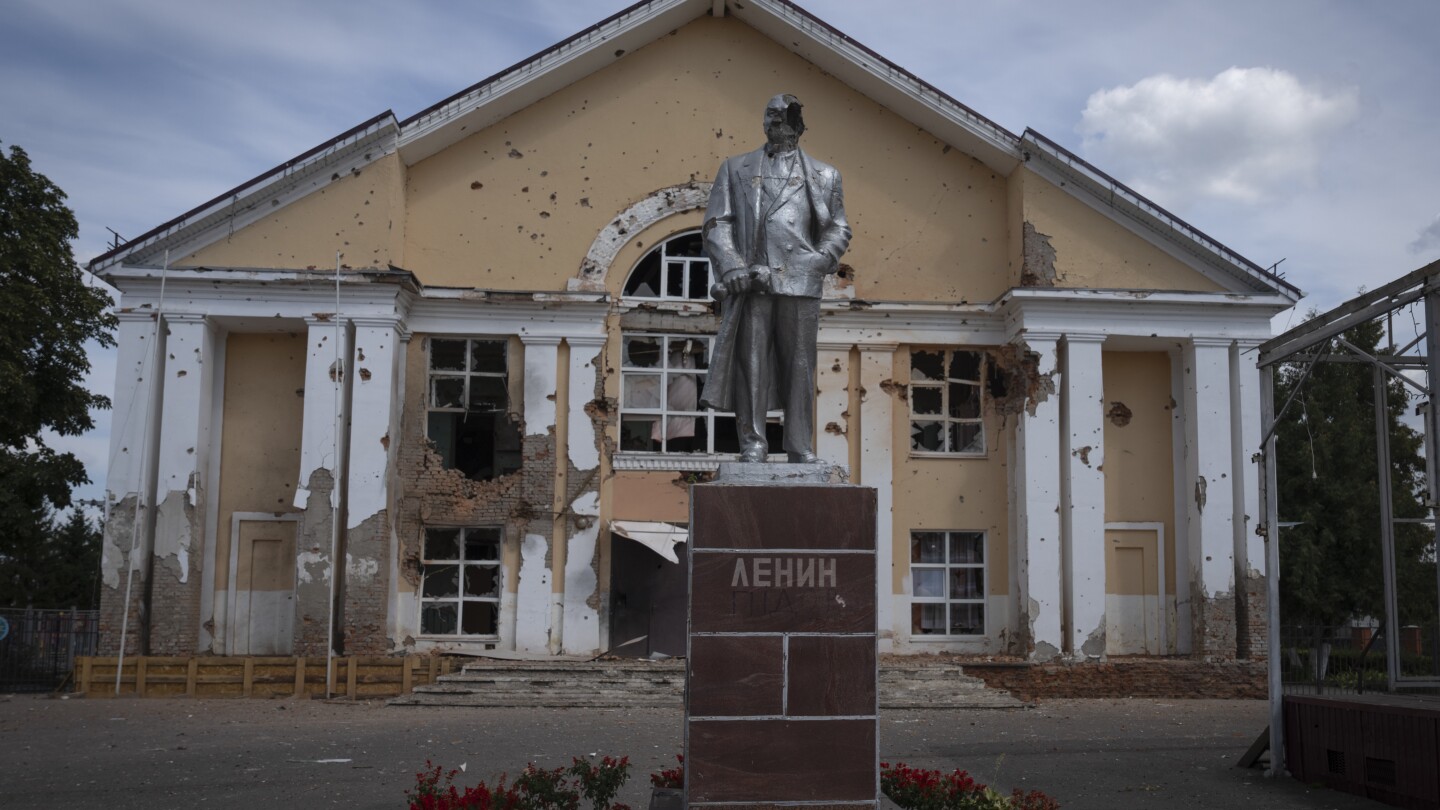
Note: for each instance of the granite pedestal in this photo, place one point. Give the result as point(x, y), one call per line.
point(781, 689)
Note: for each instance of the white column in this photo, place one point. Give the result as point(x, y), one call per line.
point(374, 417)
point(1036, 468)
point(1083, 511)
point(137, 395)
point(581, 621)
point(325, 360)
point(1245, 410)
point(877, 469)
point(181, 471)
point(542, 362)
point(832, 403)
point(1209, 470)
point(585, 363)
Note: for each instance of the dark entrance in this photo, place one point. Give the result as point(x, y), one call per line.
point(647, 600)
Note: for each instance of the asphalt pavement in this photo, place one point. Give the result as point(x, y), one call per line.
point(164, 753)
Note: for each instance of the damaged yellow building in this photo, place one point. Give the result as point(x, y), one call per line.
point(460, 353)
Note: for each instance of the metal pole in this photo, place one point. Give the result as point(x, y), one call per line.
point(1387, 524)
point(338, 375)
point(1432, 439)
point(1271, 532)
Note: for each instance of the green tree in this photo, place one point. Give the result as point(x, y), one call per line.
point(56, 564)
point(50, 314)
point(1330, 563)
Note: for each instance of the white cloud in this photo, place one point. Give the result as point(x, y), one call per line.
point(1429, 237)
point(1246, 135)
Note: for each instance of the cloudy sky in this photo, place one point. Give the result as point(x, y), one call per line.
point(1301, 130)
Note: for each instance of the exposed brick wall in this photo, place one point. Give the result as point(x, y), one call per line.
point(117, 540)
point(1215, 630)
point(431, 495)
point(1257, 627)
point(1148, 678)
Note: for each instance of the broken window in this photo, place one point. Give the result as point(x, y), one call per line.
point(945, 401)
point(661, 377)
point(675, 270)
point(461, 582)
point(470, 422)
point(947, 583)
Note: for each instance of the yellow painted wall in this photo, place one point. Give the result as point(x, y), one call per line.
point(649, 496)
point(517, 205)
point(260, 433)
point(361, 215)
point(1092, 250)
point(1139, 457)
point(957, 494)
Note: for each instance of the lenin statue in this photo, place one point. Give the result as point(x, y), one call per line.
point(774, 228)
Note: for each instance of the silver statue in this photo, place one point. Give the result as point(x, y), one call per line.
point(774, 228)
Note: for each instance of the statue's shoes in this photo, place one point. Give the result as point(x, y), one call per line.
point(754, 453)
point(804, 458)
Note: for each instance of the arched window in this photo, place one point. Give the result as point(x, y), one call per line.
point(674, 270)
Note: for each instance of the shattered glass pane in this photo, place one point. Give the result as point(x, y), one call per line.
point(479, 619)
point(967, 583)
point(636, 433)
point(447, 392)
point(644, 281)
point(927, 436)
point(699, 281)
point(482, 544)
point(965, 366)
point(488, 394)
point(964, 401)
point(641, 390)
point(675, 279)
point(927, 366)
point(447, 355)
point(927, 620)
point(482, 580)
point(925, 400)
point(928, 582)
point(967, 619)
point(488, 356)
point(927, 547)
point(967, 437)
point(688, 245)
point(438, 619)
point(442, 544)
point(641, 352)
point(967, 547)
point(442, 580)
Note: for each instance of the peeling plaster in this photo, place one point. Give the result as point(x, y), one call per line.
point(361, 570)
point(310, 566)
point(118, 538)
point(1201, 485)
point(1023, 384)
point(1119, 415)
point(1094, 646)
point(174, 527)
point(642, 214)
point(1038, 268)
point(532, 601)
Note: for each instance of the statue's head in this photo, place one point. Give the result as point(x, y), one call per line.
point(783, 124)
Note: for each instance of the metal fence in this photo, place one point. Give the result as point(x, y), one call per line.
point(1352, 659)
point(38, 647)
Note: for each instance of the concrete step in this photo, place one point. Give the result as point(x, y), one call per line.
point(611, 684)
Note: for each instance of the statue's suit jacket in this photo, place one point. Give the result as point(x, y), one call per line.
point(736, 231)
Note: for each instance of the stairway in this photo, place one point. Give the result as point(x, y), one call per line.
point(627, 683)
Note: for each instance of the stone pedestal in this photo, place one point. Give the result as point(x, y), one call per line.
point(780, 702)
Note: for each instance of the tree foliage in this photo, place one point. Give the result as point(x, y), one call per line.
point(1328, 482)
point(56, 564)
point(50, 313)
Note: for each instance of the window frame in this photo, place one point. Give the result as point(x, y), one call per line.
point(944, 418)
point(948, 600)
point(506, 411)
point(701, 297)
point(460, 598)
point(663, 412)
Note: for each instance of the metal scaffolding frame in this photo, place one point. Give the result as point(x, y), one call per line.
point(1320, 340)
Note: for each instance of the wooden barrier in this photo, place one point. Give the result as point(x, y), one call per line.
point(257, 677)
